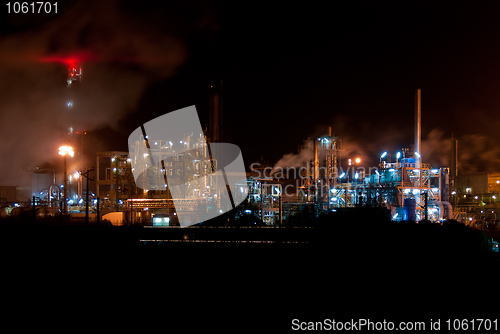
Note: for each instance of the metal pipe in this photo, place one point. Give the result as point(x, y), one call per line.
point(280, 204)
point(220, 113)
point(262, 201)
point(454, 158)
point(50, 193)
point(345, 195)
point(97, 208)
point(449, 209)
point(418, 124)
point(34, 209)
point(335, 173)
point(316, 170)
point(65, 185)
point(426, 207)
point(215, 113)
point(87, 203)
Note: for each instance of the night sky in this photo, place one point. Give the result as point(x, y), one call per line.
point(289, 72)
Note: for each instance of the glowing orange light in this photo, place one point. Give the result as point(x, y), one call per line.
point(358, 160)
point(66, 150)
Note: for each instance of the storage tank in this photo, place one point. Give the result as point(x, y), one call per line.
point(445, 183)
point(409, 206)
point(41, 181)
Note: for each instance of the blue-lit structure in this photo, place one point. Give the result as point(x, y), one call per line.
point(413, 190)
point(410, 188)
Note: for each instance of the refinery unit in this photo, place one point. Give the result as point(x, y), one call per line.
point(411, 189)
point(119, 192)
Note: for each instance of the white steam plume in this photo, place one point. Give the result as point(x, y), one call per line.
point(126, 53)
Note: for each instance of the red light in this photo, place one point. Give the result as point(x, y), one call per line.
point(72, 61)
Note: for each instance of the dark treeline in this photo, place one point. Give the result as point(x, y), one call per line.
point(343, 265)
point(366, 232)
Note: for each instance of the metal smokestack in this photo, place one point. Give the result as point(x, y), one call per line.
point(215, 112)
point(316, 169)
point(315, 154)
point(418, 124)
point(454, 158)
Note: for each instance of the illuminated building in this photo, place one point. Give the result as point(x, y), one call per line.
point(187, 162)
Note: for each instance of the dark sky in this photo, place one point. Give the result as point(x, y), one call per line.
point(289, 72)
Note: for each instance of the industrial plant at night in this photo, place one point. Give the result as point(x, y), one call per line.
point(276, 160)
point(402, 183)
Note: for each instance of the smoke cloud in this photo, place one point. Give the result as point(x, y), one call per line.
point(294, 160)
point(121, 54)
point(477, 153)
point(352, 144)
point(436, 148)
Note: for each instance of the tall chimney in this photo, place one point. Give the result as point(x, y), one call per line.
point(215, 113)
point(418, 124)
point(454, 158)
point(316, 168)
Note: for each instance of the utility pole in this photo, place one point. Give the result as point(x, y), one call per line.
point(65, 151)
point(426, 207)
point(86, 174)
point(65, 185)
point(345, 195)
point(280, 203)
point(97, 207)
point(61, 215)
point(34, 209)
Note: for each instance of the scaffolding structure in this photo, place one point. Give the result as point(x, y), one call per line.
point(411, 189)
point(187, 162)
point(321, 172)
point(264, 197)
